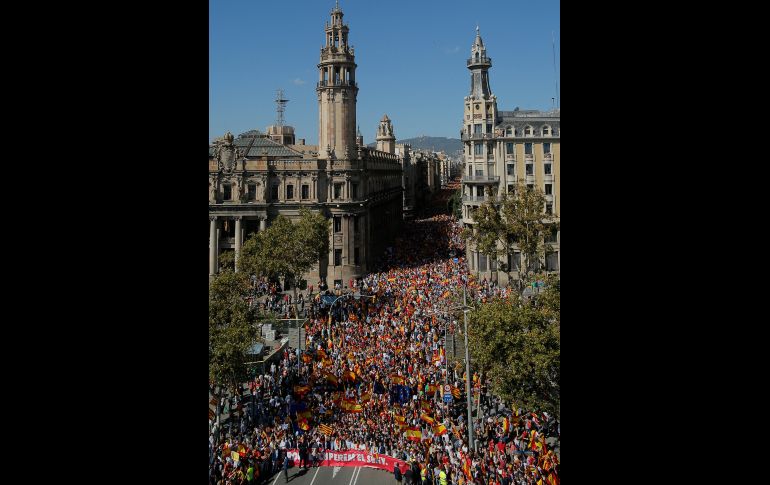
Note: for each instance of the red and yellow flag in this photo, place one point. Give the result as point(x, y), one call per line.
point(439, 430)
point(303, 424)
point(301, 390)
point(425, 406)
point(413, 433)
point(427, 419)
point(396, 379)
point(506, 424)
point(330, 378)
point(456, 392)
point(327, 430)
point(366, 397)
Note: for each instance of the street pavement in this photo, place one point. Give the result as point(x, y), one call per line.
point(337, 475)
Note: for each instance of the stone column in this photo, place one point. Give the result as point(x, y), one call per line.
point(345, 239)
point(362, 241)
point(212, 245)
point(238, 237)
point(262, 224)
point(216, 259)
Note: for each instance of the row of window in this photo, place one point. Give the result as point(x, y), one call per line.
point(510, 169)
point(251, 194)
point(338, 224)
point(510, 148)
point(510, 131)
point(488, 263)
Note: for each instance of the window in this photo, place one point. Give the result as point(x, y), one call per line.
point(479, 172)
point(530, 169)
point(482, 262)
point(492, 263)
point(508, 131)
point(528, 148)
point(489, 128)
point(337, 191)
point(514, 261)
point(289, 191)
point(510, 188)
point(305, 191)
point(252, 192)
point(355, 256)
point(353, 190)
point(477, 149)
point(479, 191)
point(546, 148)
point(546, 130)
point(338, 257)
point(337, 224)
point(530, 186)
point(528, 131)
point(470, 171)
point(355, 224)
point(467, 117)
point(477, 129)
point(549, 207)
point(274, 192)
point(509, 148)
point(548, 189)
point(547, 167)
point(228, 192)
point(552, 261)
point(552, 236)
point(509, 169)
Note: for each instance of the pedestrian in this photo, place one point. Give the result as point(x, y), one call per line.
point(286, 467)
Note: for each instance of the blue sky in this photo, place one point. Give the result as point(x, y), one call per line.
point(410, 56)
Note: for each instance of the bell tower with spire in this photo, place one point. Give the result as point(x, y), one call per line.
point(386, 140)
point(337, 91)
point(480, 104)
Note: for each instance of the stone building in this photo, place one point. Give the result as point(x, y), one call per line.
point(502, 148)
point(253, 178)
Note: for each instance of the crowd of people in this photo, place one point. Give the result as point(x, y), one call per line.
point(373, 377)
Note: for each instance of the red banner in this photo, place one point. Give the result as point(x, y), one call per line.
point(355, 458)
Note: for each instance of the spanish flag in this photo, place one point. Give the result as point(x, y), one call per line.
point(302, 424)
point(439, 430)
point(301, 390)
point(306, 358)
point(330, 378)
point(427, 419)
point(467, 468)
point(327, 430)
point(425, 406)
point(396, 379)
point(322, 353)
point(506, 424)
point(349, 375)
point(413, 433)
point(366, 397)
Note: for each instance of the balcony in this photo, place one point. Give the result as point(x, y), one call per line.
point(477, 136)
point(480, 199)
point(481, 179)
point(338, 83)
point(479, 61)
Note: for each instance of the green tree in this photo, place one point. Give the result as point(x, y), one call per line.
point(231, 331)
point(518, 344)
point(287, 249)
point(513, 220)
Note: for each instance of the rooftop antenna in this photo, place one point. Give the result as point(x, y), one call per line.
point(555, 75)
point(280, 107)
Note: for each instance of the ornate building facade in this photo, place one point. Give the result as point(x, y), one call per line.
point(502, 148)
point(253, 178)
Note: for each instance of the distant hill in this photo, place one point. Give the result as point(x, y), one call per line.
point(435, 143)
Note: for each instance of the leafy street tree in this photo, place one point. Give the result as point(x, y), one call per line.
point(231, 331)
point(517, 343)
point(287, 249)
point(513, 220)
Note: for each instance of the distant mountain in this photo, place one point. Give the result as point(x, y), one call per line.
point(435, 143)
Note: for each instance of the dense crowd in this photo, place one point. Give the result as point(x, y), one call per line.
point(373, 376)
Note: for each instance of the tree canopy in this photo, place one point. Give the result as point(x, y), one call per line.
point(517, 342)
point(513, 220)
point(231, 329)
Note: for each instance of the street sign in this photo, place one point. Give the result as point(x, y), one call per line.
point(448, 393)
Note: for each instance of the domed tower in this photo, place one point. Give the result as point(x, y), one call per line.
point(337, 91)
point(386, 140)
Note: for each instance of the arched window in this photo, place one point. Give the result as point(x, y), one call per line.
point(527, 131)
point(546, 130)
point(508, 131)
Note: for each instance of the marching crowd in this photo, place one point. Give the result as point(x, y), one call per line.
point(373, 377)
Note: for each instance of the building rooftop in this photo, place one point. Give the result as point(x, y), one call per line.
point(254, 143)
